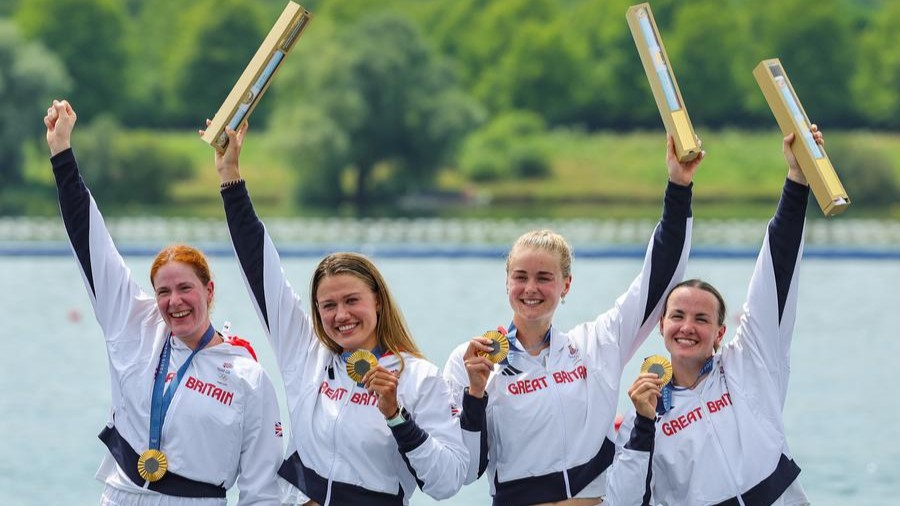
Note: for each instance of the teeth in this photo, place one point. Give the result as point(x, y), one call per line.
point(686, 342)
point(181, 314)
point(344, 328)
point(531, 302)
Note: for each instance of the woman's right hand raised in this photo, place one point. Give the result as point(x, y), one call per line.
point(60, 120)
point(478, 367)
point(228, 163)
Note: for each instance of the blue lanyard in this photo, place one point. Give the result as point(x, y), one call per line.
point(160, 401)
point(666, 404)
point(512, 332)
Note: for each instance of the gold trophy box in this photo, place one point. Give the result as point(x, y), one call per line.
point(259, 73)
point(662, 81)
point(814, 162)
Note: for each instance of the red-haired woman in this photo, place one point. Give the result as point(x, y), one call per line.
point(193, 413)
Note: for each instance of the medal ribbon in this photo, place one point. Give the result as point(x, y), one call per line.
point(160, 401)
point(666, 404)
point(514, 343)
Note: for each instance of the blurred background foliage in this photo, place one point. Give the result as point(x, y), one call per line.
point(387, 99)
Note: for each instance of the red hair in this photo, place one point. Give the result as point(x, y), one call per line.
point(185, 254)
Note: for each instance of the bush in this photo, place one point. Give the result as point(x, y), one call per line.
point(122, 169)
point(867, 174)
point(509, 146)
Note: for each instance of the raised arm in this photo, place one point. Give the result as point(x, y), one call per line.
point(769, 313)
point(279, 308)
point(637, 311)
point(114, 295)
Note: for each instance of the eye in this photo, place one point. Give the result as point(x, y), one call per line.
point(352, 300)
point(326, 306)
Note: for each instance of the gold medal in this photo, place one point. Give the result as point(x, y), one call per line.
point(152, 465)
point(499, 346)
point(359, 364)
point(658, 365)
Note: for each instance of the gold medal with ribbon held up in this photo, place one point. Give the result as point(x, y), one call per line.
point(499, 346)
point(658, 365)
point(359, 363)
point(152, 465)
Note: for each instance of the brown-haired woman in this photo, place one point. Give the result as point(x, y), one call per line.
point(366, 441)
point(200, 431)
point(715, 433)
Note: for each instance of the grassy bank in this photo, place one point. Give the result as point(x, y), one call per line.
point(596, 175)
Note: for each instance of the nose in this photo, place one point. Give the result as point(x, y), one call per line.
point(340, 312)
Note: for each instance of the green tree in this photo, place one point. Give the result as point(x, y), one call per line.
point(29, 76)
point(616, 89)
point(89, 37)
point(373, 115)
point(877, 83)
point(220, 37)
point(710, 53)
point(507, 147)
point(125, 170)
point(814, 41)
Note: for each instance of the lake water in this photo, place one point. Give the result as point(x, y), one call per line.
point(841, 412)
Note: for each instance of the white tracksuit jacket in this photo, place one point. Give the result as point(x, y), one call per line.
point(220, 428)
point(346, 454)
point(723, 442)
point(545, 432)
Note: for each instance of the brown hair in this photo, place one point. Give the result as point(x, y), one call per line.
point(187, 255)
point(391, 332)
point(546, 240)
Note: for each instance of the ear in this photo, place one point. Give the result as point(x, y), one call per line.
point(210, 291)
point(568, 285)
point(719, 335)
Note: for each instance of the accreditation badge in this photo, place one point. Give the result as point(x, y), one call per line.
point(152, 465)
point(658, 365)
point(359, 363)
point(499, 346)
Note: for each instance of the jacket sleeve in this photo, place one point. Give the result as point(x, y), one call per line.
point(473, 418)
point(630, 475)
point(768, 316)
point(261, 448)
point(430, 440)
point(280, 310)
point(119, 304)
point(637, 311)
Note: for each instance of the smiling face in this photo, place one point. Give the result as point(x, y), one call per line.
point(183, 299)
point(535, 283)
point(691, 325)
point(348, 310)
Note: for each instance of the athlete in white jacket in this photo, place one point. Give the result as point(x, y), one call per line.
point(222, 426)
point(541, 421)
point(719, 434)
point(367, 443)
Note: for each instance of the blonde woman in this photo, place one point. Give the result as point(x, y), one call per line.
point(540, 422)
